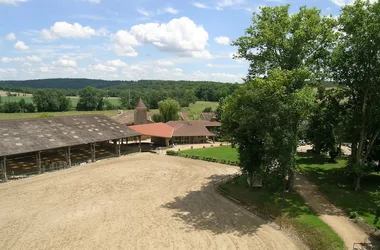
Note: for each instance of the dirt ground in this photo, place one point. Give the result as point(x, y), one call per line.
point(140, 201)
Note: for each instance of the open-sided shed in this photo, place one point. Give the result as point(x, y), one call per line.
point(26, 136)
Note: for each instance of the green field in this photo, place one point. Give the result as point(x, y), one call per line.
point(3, 116)
point(6, 116)
point(293, 212)
point(74, 100)
point(198, 107)
point(338, 187)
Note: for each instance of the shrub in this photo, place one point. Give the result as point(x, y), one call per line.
point(171, 152)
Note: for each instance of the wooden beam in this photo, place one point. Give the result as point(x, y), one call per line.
point(38, 158)
point(93, 153)
point(4, 168)
point(68, 156)
point(118, 152)
point(140, 144)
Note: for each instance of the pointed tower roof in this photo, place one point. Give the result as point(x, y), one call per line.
point(141, 105)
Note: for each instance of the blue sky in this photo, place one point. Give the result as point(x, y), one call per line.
point(129, 40)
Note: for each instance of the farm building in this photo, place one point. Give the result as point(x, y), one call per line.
point(140, 115)
point(31, 145)
point(160, 133)
point(186, 132)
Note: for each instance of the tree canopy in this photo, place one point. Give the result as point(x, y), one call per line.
point(90, 99)
point(169, 109)
point(279, 39)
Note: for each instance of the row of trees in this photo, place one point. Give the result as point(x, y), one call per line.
point(152, 91)
point(16, 107)
point(290, 54)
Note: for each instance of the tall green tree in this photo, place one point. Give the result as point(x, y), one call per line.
point(327, 124)
point(49, 100)
point(356, 63)
point(263, 117)
point(90, 99)
point(279, 39)
point(169, 109)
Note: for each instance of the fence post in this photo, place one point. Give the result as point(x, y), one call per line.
point(4, 168)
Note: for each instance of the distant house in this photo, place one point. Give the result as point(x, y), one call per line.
point(179, 132)
point(209, 116)
point(192, 132)
point(140, 115)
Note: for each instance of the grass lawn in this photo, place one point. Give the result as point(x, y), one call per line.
point(198, 107)
point(338, 188)
point(219, 153)
point(293, 212)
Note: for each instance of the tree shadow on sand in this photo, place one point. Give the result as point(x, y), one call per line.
point(205, 209)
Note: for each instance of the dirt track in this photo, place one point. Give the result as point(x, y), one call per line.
point(142, 201)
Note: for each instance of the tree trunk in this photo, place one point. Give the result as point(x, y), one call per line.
point(357, 183)
point(250, 180)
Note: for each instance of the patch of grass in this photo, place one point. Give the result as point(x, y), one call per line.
point(6, 116)
point(218, 153)
point(293, 213)
point(338, 187)
point(198, 107)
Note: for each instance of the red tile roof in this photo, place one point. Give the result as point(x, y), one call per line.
point(182, 128)
point(154, 129)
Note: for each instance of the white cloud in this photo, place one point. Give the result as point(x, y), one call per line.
point(92, 1)
point(20, 45)
point(342, 3)
point(68, 30)
point(143, 12)
point(228, 3)
point(10, 36)
point(123, 43)
point(65, 62)
point(101, 67)
point(209, 65)
point(12, 2)
point(171, 10)
point(117, 63)
point(181, 36)
point(222, 40)
point(32, 58)
point(8, 70)
point(164, 63)
point(200, 5)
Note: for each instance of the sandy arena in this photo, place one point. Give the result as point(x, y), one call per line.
point(141, 201)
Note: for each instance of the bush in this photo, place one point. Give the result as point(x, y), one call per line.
point(171, 152)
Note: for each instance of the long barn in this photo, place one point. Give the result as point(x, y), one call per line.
point(30, 138)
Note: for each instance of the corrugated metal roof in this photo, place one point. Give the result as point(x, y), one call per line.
point(38, 134)
point(188, 129)
point(154, 129)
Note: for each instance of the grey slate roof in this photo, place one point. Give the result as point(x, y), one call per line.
point(38, 134)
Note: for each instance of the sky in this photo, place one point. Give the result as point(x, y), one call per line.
point(130, 40)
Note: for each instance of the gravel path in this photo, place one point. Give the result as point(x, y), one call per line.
point(141, 201)
point(349, 232)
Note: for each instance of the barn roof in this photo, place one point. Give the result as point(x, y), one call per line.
point(182, 128)
point(38, 134)
point(154, 129)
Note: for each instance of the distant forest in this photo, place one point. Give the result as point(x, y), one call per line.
point(152, 91)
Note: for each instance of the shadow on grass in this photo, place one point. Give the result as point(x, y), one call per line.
point(204, 209)
point(338, 187)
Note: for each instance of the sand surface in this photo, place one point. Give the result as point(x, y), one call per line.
point(141, 201)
